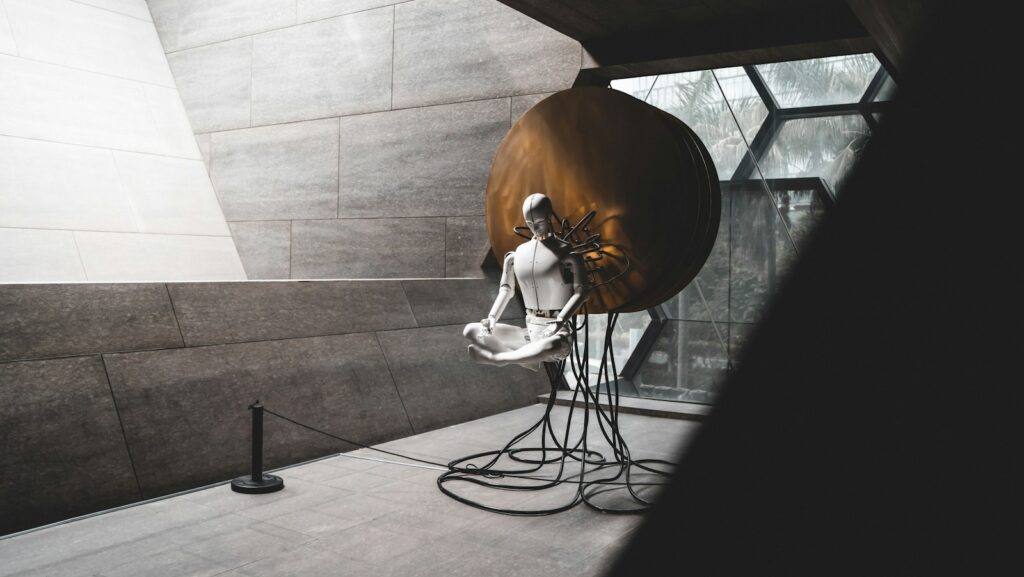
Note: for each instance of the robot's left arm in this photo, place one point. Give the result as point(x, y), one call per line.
point(580, 292)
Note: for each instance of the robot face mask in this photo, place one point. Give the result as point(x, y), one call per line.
point(537, 212)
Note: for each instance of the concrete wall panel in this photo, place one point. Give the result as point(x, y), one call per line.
point(237, 312)
point(61, 446)
point(441, 386)
point(368, 248)
point(190, 428)
point(333, 67)
point(215, 83)
point(430, 161)
point(289, 171)
point(39, 321)
point(452, 50)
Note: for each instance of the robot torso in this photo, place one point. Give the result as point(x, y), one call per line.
point(544, 274)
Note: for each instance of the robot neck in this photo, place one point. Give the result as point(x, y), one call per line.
point(544, 236)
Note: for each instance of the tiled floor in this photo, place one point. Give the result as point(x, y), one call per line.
point(351, 516)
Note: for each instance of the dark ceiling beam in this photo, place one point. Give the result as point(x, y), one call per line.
point(676, 40)
point(644, 37)
point(895, 25)
point(594, 74)
point(565, 18)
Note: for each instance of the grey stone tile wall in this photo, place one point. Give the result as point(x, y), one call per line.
point(424, 89)
point(215, 83)
point(310, 10)
point(189, 23)
point(438, 159)
point(203, 142)
point(40, 321)
point(186, 428)
point(451, 50)
point(265, 248)
point(520, 104)
point(368, 248)
point(327, 68)
point(212, 313)
point(441, 386)
point(446, 301)
point(466, 245)
point(288, 171)
point(61, 446)
point(134, 404)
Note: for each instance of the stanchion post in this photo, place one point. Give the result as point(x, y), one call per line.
point(257, 481)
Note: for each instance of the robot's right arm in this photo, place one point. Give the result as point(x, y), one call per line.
point(506, 291)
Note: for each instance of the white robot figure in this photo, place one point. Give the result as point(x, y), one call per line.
point(554, 286)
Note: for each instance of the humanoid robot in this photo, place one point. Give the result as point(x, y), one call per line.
point(553, 282)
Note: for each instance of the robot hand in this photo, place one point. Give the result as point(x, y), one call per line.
point(488, 324)
point(558, 325)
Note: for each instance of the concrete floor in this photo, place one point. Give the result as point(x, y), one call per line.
point(351, 516)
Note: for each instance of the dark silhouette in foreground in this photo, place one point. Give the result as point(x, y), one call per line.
point(867, 430)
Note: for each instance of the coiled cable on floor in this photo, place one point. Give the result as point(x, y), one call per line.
point(589, 483)
point(529, 476)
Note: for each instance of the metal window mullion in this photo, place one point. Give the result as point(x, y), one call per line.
point(875, 86)
point(759, 147)
point(762, 88)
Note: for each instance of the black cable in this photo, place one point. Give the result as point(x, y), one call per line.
point(589, 484)
point(351, 442)
point(607, 419)
point(314, 429)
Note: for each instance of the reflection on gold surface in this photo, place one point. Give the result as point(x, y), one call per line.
point(644, 172)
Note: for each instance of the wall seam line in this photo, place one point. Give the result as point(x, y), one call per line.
point(78, 251)
point(388, 217)
point(99, 147)
point(282, 28)
point(174, 313)
point(85, 70)
point(7, 17)
point(381, 111)
point(252, 64)
point(124, 434)
point(131, 231)
point(394, 382)
point(394, 18)
point(337, 204)
point(115, 11)
point(250, 342)
point(408, 303)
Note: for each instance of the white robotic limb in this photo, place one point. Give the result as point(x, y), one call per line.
point(554, 287)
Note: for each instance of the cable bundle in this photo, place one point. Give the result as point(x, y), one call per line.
point(595, 474)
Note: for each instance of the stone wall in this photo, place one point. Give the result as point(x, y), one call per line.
point(100, 176)
point(112, 393)
point(353, 138)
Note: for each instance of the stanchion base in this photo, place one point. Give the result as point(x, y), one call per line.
point(268, 484)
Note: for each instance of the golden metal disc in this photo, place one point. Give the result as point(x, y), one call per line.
point(645, 174)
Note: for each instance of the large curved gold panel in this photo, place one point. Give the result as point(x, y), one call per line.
point(646, 175)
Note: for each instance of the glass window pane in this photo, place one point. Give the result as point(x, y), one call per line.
point(713, 280)
point(687, 363)
point(636, 87)
point(826, 147)
point(820, 81)
point(694, 98)
point(761, 249)
point(628, 330)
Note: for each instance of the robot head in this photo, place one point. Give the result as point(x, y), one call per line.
point(537, 212)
